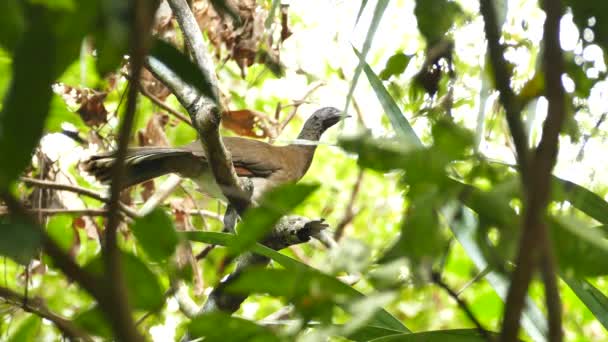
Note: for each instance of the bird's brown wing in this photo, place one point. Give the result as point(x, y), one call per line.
point(251, 158)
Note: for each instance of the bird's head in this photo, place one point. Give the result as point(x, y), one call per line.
point(319, 122)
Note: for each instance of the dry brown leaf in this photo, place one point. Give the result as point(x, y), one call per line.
point(245, 122)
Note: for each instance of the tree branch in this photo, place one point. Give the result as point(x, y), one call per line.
point(502, 82)
point(290, 230)
point(204, 112)
point(36, 307)
point(116, 304)
point(436, 277)
point(537, 192)
point(76, 189)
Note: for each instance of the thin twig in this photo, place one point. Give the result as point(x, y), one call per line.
point(61, 259)
point(436, 277)
point(502, 81)
point(55, 211)
point(76, 189)
point(36, 307)
point(297, 104)
point(116, 306)
point(165, 106)
point(349, 214)
point(159, 196)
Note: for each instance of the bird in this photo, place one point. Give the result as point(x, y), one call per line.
point(266, 165)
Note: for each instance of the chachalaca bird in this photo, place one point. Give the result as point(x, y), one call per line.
point(266, 165)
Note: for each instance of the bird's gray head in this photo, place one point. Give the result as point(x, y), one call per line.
point(320, 121)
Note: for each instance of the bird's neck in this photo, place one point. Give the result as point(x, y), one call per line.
point(310, 133)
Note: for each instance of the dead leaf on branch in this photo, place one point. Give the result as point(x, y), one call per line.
point(246, 122)
point(89, 103)
point(247, 43)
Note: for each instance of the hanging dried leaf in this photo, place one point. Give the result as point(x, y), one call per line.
point(154, 133)
point(248, 42)
point(245, 122)
point(89, 103)
point(153, 86)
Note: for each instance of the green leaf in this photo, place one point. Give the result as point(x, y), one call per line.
point(435, 18)
point(456, 335)
point(112, 35)
point(593, 298)
point(361, 8)
point(27, 330)
point(156, 235)
point(183, 67)
point(94, 322)
point(31, 80)
point(12, 24)
point(422, 165)
point(464, 225)
point(258, 221)
point(400, 124)
point(581, 198)
point(381, 319)
point(145, 292)
point(60, 229)
point(373, 26)
point(312, 292)
point(395, 65)
point(370, 332)
point(580, 250)
point(220, 327)
point(421, 239)
point(20, 240)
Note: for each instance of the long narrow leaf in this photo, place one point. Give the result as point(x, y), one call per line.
point(382, 318)
point(400, 124)
point(593, 298)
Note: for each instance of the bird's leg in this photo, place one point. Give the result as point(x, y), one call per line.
point(230, 218)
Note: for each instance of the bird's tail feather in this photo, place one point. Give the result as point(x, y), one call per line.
point(142, 164)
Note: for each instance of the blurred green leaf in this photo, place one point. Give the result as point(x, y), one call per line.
point(313, 293)
point(581, 198)
point(400, 124)
point(464, 225)
point(145, 292)
point(593, 298)
point(435, 18)
point(456, 335)
point(183, 67)
point(451, 139)
point(12, 24)
point(94, 322)
point(381, 319)
point(27, 330)
point(156, 235)
point(421, 239)
point(112, 34)
point(19, 240)
point(31, 80)
point(370, 332)
point(59, 228)
point(395, 65)
point(56, 35)
point(580, 250)
point(258, 221)
point(221, 327)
